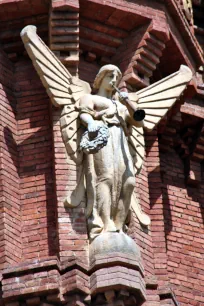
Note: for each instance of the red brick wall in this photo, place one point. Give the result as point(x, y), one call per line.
point(140, 234)
point(72, 230)
point(10, 215)
point(28, 203)
point(37, 191)
point(156, 204)
point(184, 218)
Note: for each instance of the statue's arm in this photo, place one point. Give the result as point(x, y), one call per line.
point(86, 108)
point(87, 113)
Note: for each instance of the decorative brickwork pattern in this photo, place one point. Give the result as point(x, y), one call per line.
point(140, 53)
point(64, 32)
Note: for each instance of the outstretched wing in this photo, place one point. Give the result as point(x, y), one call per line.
point(155, 100)
point(159, 97)
point(137, 150)
point(62, 88)
point(137, 147)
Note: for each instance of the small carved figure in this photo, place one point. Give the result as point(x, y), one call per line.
point(188, 9)
point(101, 134)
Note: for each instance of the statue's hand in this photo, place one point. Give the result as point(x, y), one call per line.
point(93, 127)
point(123, 96)
point(110, 112)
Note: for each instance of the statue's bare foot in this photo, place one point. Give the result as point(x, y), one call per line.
point(110, 226)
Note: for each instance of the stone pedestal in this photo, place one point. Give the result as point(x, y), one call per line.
point(116, 269)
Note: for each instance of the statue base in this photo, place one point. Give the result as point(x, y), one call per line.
point(115, 265)
point(112, 242)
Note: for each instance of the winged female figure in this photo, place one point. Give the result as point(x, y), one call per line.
point(101, 134)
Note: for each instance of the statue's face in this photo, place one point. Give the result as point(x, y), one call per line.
point(111, 77)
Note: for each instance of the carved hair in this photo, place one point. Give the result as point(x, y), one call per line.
point(102, 72)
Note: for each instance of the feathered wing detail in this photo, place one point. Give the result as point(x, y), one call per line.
point(155, 100)
point(137, 147)
point(137, 150)
point(159, 97)
point(142, 217)
point(72, 131)
point(62, 88)
point(65, 91)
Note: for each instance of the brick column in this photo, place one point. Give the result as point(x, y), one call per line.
point(140, 53)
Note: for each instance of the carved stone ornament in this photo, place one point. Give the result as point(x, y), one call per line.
point(109, 170)
point(188, 9)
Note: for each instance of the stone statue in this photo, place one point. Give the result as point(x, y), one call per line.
point(101, 133)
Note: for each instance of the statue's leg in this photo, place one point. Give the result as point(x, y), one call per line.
point(103, 190)
point(104, 168)
point(127, 184)
point(124, 201)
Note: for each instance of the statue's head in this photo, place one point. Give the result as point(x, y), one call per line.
point(110, 72)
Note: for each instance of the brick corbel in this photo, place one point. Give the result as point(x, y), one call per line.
point(64, 32)
point(140, 53)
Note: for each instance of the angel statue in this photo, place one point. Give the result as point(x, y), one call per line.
point(102, 134)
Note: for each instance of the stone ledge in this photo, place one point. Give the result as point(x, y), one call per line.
point(45, 276)
point(48, 276)
point(114, 259)
point(117, 278)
